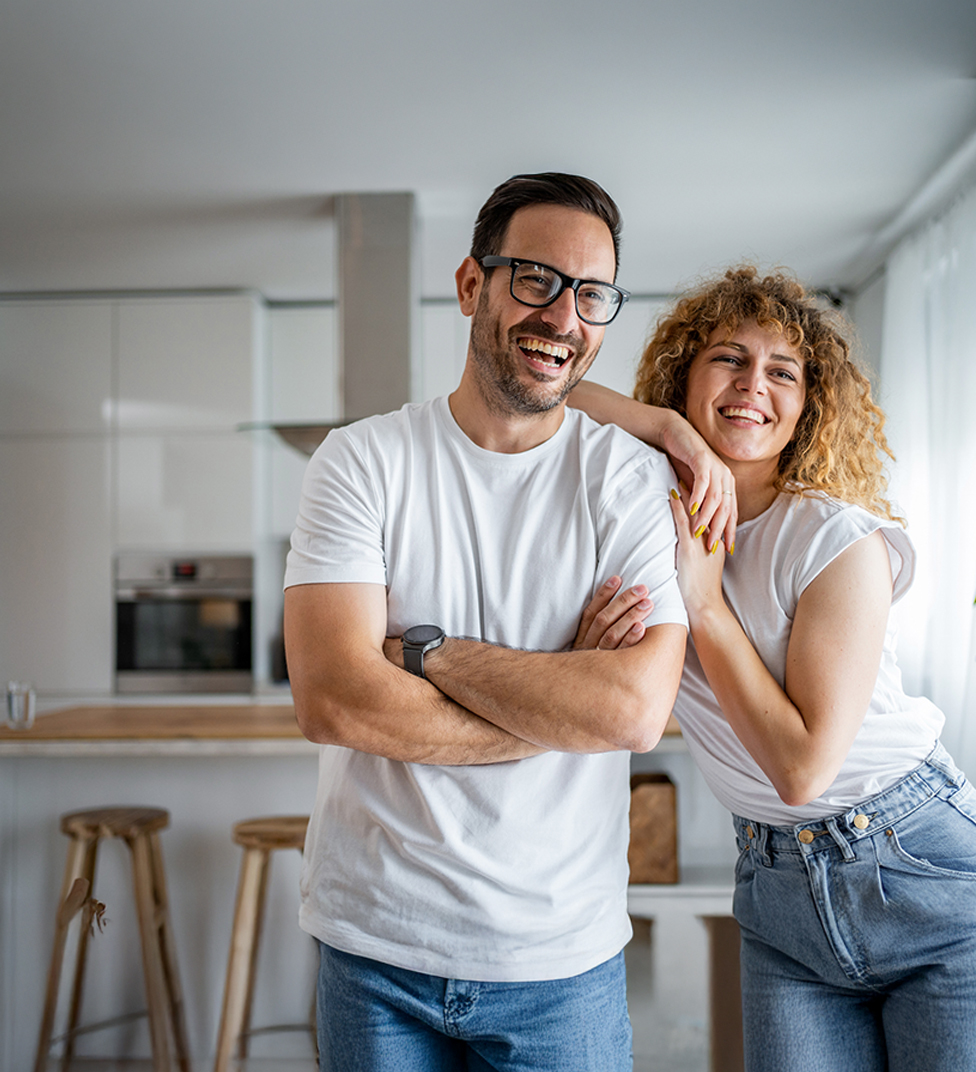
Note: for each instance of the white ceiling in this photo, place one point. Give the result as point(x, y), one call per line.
point(195, 143)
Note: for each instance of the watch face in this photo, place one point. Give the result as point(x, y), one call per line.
point(423, 634)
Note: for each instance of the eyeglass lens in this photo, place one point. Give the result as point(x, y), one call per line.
point(534, 284)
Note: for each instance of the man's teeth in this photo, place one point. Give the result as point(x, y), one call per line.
point(557, 353)
point(749, 414)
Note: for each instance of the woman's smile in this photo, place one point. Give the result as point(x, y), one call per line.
point(746, 391)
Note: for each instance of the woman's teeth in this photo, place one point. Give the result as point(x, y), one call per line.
point(748, 414)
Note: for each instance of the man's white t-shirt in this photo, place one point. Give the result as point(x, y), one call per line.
point(510, 871)
point(776, 556)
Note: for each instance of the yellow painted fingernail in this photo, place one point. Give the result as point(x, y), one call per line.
point(699, 531)
point(732, 548)
point(715, 547)
point(694, 509)
point(674, 494)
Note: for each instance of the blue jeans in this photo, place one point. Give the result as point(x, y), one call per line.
point(859, 933)
point(376, 1018)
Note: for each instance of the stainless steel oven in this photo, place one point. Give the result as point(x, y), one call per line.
point(183, 624)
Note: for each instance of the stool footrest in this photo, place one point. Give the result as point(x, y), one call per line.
point(87, 1029)
point(272, 1029)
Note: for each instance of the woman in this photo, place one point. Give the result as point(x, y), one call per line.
point(856, 880)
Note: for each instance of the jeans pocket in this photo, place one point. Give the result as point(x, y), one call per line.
point(937, 839)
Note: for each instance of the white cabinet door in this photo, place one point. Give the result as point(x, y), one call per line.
point(304, 364)
point(55, 367)
point(187, 363)
point(56, 559)
point(186, 373)
point(186, 491)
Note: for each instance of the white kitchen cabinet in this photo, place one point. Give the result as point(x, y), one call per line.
point(304, 364)
point(186, 374)
point(56, 563)
point(187, 364)
point(443, 349)
point(185, 492)
point(55, 367)
point(118, 422)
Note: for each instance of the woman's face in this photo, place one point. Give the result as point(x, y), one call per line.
point(745, 393)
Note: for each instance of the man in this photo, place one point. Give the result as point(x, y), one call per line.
point(465, 870)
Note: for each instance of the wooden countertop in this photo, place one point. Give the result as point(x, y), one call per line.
point(185, 729)
point(160, 722)
point(174, 729)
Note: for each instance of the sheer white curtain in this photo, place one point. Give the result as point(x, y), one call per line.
point(928, 389)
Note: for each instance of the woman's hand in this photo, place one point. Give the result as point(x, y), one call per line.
point(711, 501)
point(614, 619)
point(699, 568)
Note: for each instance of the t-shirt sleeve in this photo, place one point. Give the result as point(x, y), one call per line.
point(338, 534)
point(637, 538)
point(823, 540)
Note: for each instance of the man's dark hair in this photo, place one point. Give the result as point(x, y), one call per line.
point(546, 188)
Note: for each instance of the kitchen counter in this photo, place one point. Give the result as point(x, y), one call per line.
point(210, 762)
point(180, 729)
point(161, 729)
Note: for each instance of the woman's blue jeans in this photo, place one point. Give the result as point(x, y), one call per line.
point(376, 1018)
point(859, 933)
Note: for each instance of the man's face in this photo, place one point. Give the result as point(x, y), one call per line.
point(528, 360)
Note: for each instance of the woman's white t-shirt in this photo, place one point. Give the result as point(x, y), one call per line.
point(776, 556)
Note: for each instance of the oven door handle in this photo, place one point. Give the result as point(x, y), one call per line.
point(170, 594)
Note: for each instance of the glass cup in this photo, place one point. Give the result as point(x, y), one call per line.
point(21, 702)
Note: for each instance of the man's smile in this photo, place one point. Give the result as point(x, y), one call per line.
point(556, 354)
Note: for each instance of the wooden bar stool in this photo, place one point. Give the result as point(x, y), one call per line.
point(139, 827)
point(259, 838)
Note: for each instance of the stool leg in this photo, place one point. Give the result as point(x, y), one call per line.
point(235, 1016)
point(80, 867)
point(147, 911)
point(74, 1005)
point(167, 951)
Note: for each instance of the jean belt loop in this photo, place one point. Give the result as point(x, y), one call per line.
point(842, 843)
point(940, 760)
point(762, 845)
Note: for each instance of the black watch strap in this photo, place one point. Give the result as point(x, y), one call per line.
point(417, 641)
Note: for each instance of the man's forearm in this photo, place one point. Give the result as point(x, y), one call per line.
point(581, 701)
point(412, 722)
point(347, 693)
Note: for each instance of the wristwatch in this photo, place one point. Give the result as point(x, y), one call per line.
point(417, 640)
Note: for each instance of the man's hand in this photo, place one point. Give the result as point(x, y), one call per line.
point(614, 618)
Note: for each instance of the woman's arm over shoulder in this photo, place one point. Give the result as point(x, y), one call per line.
point(708, 479)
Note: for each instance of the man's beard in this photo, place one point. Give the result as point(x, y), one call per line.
point(498, 370)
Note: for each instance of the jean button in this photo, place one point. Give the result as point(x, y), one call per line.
point(862, 822)
point(806, 836)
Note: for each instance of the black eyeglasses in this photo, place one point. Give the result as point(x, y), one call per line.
point(538, 285)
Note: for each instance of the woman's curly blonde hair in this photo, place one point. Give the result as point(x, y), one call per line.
point(839, 443)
